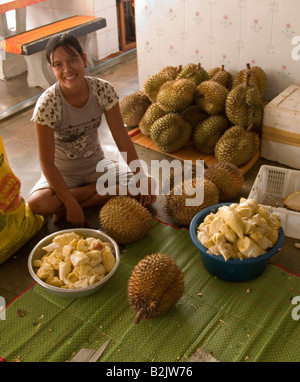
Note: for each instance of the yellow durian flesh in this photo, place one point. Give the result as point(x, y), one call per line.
point(231, 235)
point(234, 220)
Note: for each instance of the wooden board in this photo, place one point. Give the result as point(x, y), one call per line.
point(280, 141)
point(188, 152)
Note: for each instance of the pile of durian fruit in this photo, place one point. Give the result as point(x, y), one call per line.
point(221, 113)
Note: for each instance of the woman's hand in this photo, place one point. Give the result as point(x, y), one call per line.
point(148, 196)
point(75, 214)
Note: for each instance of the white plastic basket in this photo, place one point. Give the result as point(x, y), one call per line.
point(272, 185)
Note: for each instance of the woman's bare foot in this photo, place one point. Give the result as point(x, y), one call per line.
point(56, 217)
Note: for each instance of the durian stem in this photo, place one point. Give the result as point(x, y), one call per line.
point(248, 66)
point(139, 315)
point(222, 68)
point(251, 127)
point(247, 79)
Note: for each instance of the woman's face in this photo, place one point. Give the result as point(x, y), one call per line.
point(68, 68)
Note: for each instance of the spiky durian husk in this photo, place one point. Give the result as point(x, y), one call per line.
point(227, 177)
point(171, 71)
point(193, 115)
point(153, 84)
point(258, 78)
point(170, 132)
point(133, 107)
point(237, 146)
point(194, 72)
point(175, 202)
point(125, 219)
point(244, 105)
point(175, 96)
point(222, 76)
point(155, 285)
point(207, 133)
point(210, 96)
point(151, 115)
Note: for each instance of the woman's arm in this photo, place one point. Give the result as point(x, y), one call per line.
point(124, 144)
point(46, 150)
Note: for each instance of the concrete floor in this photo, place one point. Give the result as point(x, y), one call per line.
point(17, 133)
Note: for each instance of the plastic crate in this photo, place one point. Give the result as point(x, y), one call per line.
point(272, 185)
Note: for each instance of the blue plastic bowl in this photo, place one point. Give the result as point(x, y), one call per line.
point(235, 270)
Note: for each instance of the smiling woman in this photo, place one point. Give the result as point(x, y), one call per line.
point(67, 116)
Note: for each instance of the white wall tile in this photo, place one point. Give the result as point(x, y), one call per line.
point(198, 19)
point(35, 14)
point(171, 18)
point(286, 26)
point(256, 26)
point(98, 5)
point(110, 14)
point(198, 51)
point(226, 22)
point(172, 50)
point(224, 54)
point(288, 4)
point(108, 3)
point(148, 46)
point(255, 56)
point(261, 3)
point(146, 14)
point(284, 71)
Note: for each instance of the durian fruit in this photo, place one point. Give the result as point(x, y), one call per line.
point(237, 146)
point(170, 132)
point(153, 83)
point(244, 105)
point(258, 77)
point(125, 219)
point(155, 285)
point(171, 71)
point(194, 72)
point(193, 115)
point(133, 107)
point(292, 201)
point(222, 76)
point(151, 115)
point(176, 202)
point(175, 96)
point(227, 177)
point(207, 133)
point(210, 96)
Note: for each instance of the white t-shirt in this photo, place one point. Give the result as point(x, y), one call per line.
point(77, 145)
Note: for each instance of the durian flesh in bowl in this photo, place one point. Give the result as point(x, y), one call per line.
point(38, 252)
point(233, 269)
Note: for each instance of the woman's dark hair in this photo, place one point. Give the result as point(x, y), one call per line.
point(64, 40)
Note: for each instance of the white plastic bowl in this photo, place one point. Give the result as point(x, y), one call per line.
point(37, 253)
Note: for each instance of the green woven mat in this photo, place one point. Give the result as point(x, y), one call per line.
point(249, 321)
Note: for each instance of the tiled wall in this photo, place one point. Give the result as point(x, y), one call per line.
point(215, 32)
point(104, 41)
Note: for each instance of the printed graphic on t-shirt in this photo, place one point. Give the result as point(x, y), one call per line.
point(79, 141)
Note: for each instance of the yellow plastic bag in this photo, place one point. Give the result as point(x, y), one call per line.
point(17, 222)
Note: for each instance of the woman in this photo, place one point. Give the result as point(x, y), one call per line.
point(67, 116)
